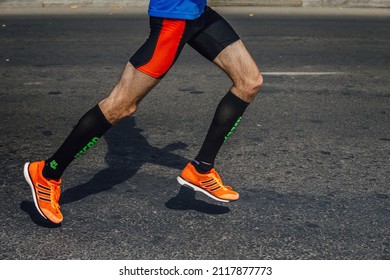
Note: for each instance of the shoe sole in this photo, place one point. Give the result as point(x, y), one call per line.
point(199, 189)
point(29, 181)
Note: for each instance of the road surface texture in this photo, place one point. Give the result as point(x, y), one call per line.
point(310, 158)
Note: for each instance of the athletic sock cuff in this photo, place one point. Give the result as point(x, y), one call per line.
point(99, 115)
point(231, 97)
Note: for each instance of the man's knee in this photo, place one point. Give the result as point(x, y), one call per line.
point(257, 83)
point(250, 86)
point(127, 111)
point(117, 110)
point(127, 94)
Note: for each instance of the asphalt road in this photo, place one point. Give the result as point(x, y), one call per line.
point(310, 158)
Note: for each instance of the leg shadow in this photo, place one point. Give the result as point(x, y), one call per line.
point(185, 200)
point(127, 151)
point(29, 208)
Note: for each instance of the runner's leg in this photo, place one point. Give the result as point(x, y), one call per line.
point(219, 43)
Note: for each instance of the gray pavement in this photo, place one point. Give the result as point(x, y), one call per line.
point(310, 158)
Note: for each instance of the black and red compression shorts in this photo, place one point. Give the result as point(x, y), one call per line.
point(209, 35)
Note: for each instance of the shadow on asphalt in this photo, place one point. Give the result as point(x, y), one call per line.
point(29, 208)
point(127, 151)
point(185, 200)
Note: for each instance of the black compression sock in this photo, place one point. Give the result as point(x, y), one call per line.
point(84, 136)
point(227, 116)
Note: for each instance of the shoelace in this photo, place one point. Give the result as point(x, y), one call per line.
point(219, 180)
point(55, 195)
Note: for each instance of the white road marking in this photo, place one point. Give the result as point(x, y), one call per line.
point(301, 73)
point(32, 83)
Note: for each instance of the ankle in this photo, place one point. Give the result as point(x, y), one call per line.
point(201, 166)
point(49, 173)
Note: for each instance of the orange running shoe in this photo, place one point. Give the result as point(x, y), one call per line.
point(46, 193)
point(209, 184)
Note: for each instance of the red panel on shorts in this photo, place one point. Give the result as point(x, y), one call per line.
point(166, 48)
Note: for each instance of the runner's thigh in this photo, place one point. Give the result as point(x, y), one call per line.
point(166, 40)
point(216, 35)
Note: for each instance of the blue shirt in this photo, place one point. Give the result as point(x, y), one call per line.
point(177, 9)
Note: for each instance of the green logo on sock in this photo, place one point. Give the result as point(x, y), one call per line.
point(87, 147)
point(233, 128)
point(53, 164)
